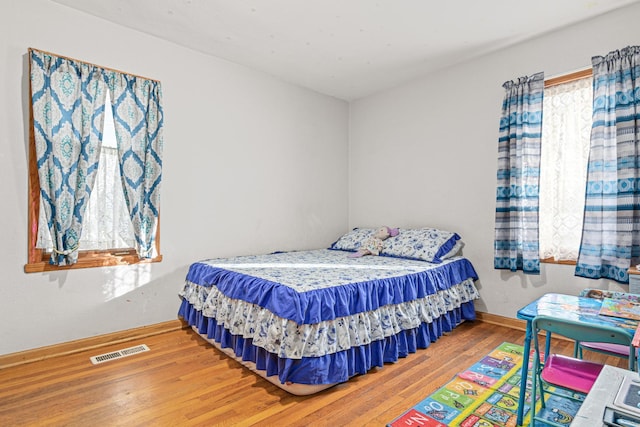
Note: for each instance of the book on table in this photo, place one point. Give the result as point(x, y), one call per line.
point(620, 308)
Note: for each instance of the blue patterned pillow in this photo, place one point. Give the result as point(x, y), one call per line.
point(426, 244)
point(353, 239)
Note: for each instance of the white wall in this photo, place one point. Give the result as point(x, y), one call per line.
point(251, 165)
point(425, 153)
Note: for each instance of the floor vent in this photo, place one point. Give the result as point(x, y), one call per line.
point(118, 354)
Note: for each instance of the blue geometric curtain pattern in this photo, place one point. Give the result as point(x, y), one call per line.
point(138, 119)
point(516, 229)
point(68, 104)
point(611, 231)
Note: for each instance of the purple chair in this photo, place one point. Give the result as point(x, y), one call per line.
point(565, 372)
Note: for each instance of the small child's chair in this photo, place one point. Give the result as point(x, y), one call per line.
point(565, 372)
point(609, 349)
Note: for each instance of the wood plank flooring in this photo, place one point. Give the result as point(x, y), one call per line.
point(183, 381)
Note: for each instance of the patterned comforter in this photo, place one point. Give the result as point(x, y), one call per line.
point(322, 304)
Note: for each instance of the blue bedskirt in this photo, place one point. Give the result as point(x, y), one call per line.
point(331, 368)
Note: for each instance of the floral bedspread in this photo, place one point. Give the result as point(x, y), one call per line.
point(318, 269)
point(316, 303)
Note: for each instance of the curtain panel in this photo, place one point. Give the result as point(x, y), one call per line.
point(138, 120)
point(68, 98)
point(518, 176)
point(611, 232)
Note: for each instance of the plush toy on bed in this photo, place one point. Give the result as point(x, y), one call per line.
point(374, 244)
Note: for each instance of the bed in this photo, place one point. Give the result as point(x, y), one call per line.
point(307, 320)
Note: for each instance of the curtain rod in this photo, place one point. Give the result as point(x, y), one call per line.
point(89, 63)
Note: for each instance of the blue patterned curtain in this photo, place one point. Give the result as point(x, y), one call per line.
point(611, 231)
point(138, 118)
point(68, 105)
point(516, 232)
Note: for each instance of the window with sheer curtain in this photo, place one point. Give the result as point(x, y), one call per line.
point(95, 165)
point(108, 225)
point(566, 129)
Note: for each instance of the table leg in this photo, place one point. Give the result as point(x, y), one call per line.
point(524, 373)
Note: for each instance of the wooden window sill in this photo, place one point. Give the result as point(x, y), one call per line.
point(91, 259)
point(553, 261)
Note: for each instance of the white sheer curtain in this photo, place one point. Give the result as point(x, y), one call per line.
point(112, 228)
point(566, 128)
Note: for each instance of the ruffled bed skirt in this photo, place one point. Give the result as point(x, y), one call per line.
point(331, 368)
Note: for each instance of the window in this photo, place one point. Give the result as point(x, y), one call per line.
point(566, 132)
point(109, 225)
point(109, 236)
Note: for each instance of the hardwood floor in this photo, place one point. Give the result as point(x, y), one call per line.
point(183, 381)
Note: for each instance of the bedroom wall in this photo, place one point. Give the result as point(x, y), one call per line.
point(251, 165)
point(425, 153)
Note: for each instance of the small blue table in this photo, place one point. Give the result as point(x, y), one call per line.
point(581, 309)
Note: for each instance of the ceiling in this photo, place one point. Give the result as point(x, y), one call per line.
point(345, 48)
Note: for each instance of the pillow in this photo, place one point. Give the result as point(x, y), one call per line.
point(353, 239)
point(454, 251)
point(426, 244)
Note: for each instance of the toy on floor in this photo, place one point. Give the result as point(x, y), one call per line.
point(374, 244)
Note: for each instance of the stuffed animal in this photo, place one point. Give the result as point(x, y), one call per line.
point(374, 244)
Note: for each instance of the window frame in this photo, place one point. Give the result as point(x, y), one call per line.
point(566, 78)
point(38, 259)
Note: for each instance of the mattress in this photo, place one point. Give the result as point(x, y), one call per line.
point(318, 317)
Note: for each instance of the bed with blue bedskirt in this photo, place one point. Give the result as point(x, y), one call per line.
point(306, 320)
